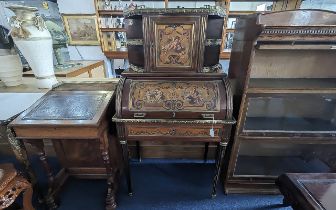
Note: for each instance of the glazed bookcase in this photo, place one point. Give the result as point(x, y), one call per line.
point(240, 8)
point(287, 118)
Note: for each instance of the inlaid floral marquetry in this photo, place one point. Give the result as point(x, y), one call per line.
point(171, 131)
point(175, 45)
point(174, 96)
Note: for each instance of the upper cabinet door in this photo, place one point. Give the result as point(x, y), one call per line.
point(174, 43)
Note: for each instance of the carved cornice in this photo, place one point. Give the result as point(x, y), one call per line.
point(212, 69)
point(213, 42)
point(136, 68)
point(218, 11)
point(173, 121)
point(330, 31)
point(135, 42)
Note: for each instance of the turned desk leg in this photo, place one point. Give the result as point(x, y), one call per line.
point(138, 149)
point(222, 146)
point(111, 182)
point(206, 150)
point(39, 146)
point(124, 148)
point(20, 153)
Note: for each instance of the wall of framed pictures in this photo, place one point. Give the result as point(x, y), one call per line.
point(84, 52)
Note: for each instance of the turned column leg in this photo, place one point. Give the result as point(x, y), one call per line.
point(138, 149)
point(111, 184)
point(219, 161)
point(124, 147)
point(206, 150)
point(20, 153)
point(39, 146)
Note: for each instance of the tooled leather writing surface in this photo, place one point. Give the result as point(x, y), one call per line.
point(67, 107)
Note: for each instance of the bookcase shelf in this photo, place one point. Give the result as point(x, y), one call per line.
point(112, 29)
point(112, 35)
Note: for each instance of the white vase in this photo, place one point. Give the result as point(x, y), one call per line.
point(34, 41)
point(11, 70)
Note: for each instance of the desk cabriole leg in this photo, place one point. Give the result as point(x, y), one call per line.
point(27, 198)
point(111, 185)
point(39, 146)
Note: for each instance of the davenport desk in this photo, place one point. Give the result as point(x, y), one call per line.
point(62, 116)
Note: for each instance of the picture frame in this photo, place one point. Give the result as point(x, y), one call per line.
point(82, 29)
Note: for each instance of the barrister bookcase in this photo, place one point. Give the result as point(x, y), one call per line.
point(284, 62)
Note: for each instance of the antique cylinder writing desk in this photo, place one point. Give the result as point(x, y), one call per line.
point(287, 119)
point(174, 89)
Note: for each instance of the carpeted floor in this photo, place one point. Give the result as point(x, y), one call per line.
point(162, 185)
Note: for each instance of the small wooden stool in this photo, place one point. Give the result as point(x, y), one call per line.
point(11, 185)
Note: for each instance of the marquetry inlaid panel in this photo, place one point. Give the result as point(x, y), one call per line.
point(67, 107)
point(199, 96)
point(171, 131)
point(174, 45)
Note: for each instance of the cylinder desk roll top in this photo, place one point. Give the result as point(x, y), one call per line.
point(177, 98)
point(174, 40)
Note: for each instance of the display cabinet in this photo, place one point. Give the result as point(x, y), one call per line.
point(112, 32)
point(287, 118)
point(240, 8)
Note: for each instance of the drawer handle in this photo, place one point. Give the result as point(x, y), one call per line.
point(208, 116)
point(139, 115)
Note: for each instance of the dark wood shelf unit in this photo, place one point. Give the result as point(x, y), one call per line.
point(116, 54)
point(112, 29)
point(111, 12)
point(286, 102)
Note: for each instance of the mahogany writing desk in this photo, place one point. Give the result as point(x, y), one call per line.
point(66, 116)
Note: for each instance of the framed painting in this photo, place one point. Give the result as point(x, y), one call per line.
point(81, 29)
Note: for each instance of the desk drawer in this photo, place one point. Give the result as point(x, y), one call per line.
point(172, 130)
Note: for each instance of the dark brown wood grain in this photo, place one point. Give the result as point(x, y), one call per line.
point(308, 191)
point(268, 63)
point(82, 140)
point(174, 99)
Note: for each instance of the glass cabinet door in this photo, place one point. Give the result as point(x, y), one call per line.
point(271, 159)
point(305, 114)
